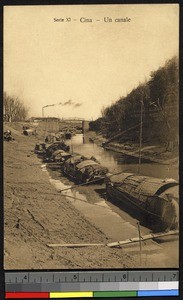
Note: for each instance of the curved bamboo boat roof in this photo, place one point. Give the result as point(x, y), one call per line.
point(86, 163)
point(74, 158)
point(144, 185)
point(58, 152)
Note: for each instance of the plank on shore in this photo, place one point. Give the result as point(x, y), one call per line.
point(74, 245)
point(119, 243)
point(143, 238)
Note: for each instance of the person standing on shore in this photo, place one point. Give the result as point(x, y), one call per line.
point(173, 215)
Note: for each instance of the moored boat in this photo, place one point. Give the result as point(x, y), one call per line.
point(40, 149)
point(85, 170)
point(56, 146)
point(153, 200)
point(58, 156)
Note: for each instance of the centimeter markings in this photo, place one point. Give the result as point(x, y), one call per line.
point(93, 276)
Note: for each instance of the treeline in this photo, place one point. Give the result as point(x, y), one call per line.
point(14, 109)
point(156, 101)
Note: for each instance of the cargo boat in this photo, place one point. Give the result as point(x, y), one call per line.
point(40, 149)
point(82, 169)
point(45, 151)
point(57, 159)
point(146, 198)
point(56, 146)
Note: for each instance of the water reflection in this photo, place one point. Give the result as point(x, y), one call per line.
point(117, 162)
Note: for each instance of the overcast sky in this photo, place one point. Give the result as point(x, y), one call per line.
point(90, 63)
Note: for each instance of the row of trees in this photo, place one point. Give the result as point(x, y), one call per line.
point(14, 109)
point(158, 99)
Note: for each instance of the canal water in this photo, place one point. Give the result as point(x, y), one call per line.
point(117, 162)
point(115, 223)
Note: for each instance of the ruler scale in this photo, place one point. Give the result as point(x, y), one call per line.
point(91, 284)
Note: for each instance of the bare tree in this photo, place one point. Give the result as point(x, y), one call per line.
point(14, 109)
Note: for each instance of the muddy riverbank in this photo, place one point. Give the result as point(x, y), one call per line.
point(149, 152)
point(37, 214)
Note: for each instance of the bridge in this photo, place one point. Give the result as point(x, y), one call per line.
point(52, 124)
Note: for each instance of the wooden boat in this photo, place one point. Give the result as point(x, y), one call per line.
point(7, 136)
point(40, 149)
point(82, 169)
point(29, 131)
point(146, 198)
point(50, 138)
point(44, 151)
point(58, 157)
point(56, 146)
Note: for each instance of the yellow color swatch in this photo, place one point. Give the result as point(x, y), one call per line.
point(71, 294)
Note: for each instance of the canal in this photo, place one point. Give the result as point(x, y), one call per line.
point(112, 220)
point(116, 162)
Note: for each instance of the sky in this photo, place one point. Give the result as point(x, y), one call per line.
point(54, 55)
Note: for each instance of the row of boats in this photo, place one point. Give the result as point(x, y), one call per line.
point(78, 167)
point(152, 200)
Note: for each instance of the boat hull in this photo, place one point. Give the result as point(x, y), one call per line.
point(141, 211)
point(79, 177)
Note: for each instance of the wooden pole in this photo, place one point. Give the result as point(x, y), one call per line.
point(140, 137)
point(72, 151)
point(143, 238)
point(74, 245)
point(120, 243)
point(140, 243)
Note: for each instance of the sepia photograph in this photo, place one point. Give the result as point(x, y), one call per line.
point(91, 136)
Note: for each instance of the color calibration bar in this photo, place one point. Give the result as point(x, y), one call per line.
point(104, 294)
point(145, 289)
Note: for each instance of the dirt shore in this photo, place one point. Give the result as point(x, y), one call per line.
point(35, 215)
point(150, 152)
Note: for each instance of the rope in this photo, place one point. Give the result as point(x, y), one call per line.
point(85, 183)
point(79, 199)
point(82, 184)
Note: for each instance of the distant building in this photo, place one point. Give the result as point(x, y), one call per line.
point(40, 119)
